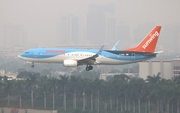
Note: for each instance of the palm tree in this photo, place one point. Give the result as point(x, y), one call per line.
point(105, 92)
point(87, 88)
point(115, 90)
point(31, 83)
point(110, 90)
point(152, 83)
point(64, 84)
point(168, 88)
point(8, 86)
point(124, 80)
point(53, 84)
point(119, 90)
point(154, 79)
point(97, 84)
point(84, 84)
point(74, 83)
point(176, 80)
point(44, 86)
point(84, 90)
point(1, 83)
point(19, 86)
point(138, 87)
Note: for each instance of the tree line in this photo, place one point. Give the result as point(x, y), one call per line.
point(121, 93)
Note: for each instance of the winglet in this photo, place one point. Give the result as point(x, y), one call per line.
point(115, 46)
point(100, 50)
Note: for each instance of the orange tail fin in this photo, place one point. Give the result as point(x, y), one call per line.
point(149, 42)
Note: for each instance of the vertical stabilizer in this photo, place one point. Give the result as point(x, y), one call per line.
point(148, 44)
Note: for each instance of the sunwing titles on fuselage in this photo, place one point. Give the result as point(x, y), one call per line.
point(76, 57)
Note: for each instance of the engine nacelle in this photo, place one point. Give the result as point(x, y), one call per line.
point(70, 63)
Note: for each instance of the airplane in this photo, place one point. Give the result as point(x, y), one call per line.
point(76, 57)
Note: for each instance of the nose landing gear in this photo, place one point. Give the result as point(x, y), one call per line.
point(89, 67)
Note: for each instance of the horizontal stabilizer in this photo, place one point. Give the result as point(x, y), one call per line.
point(157, 52)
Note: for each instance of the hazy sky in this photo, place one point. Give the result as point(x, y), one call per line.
point(39, 17)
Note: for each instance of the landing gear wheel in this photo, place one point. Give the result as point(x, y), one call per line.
point(89, 67)
point(32, 66)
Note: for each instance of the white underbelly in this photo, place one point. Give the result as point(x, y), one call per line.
point(109, 61)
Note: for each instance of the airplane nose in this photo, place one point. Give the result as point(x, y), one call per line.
point(19, 56)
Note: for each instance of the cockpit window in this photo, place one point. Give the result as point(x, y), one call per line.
point(26, 52)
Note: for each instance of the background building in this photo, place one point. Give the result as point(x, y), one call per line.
point(96, 22)
point(68, 29)
point(167, 69)
point(14, 35)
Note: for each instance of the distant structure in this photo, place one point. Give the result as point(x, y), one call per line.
point(167, 69)
point(170, 38)
point(123, 34)
point(14, 35)
point(139, 35)
point(14, 40)
point(11, 76)
point(110, 29)
point(96, 22)
point(12, 52)
point(68, 29)
point(104, 76)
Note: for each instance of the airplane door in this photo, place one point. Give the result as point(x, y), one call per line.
point(133, 56)
point(35, 53)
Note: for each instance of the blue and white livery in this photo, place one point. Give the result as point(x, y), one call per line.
point(89, 57)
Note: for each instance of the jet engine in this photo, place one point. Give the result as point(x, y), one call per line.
point(70, 63)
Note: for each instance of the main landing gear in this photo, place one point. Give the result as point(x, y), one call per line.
point(89, 67)
point(32, 65)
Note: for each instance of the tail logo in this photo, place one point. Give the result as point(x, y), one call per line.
point(150, 40)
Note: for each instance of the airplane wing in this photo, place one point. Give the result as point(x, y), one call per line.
point(115, 46)
point(92, 59)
